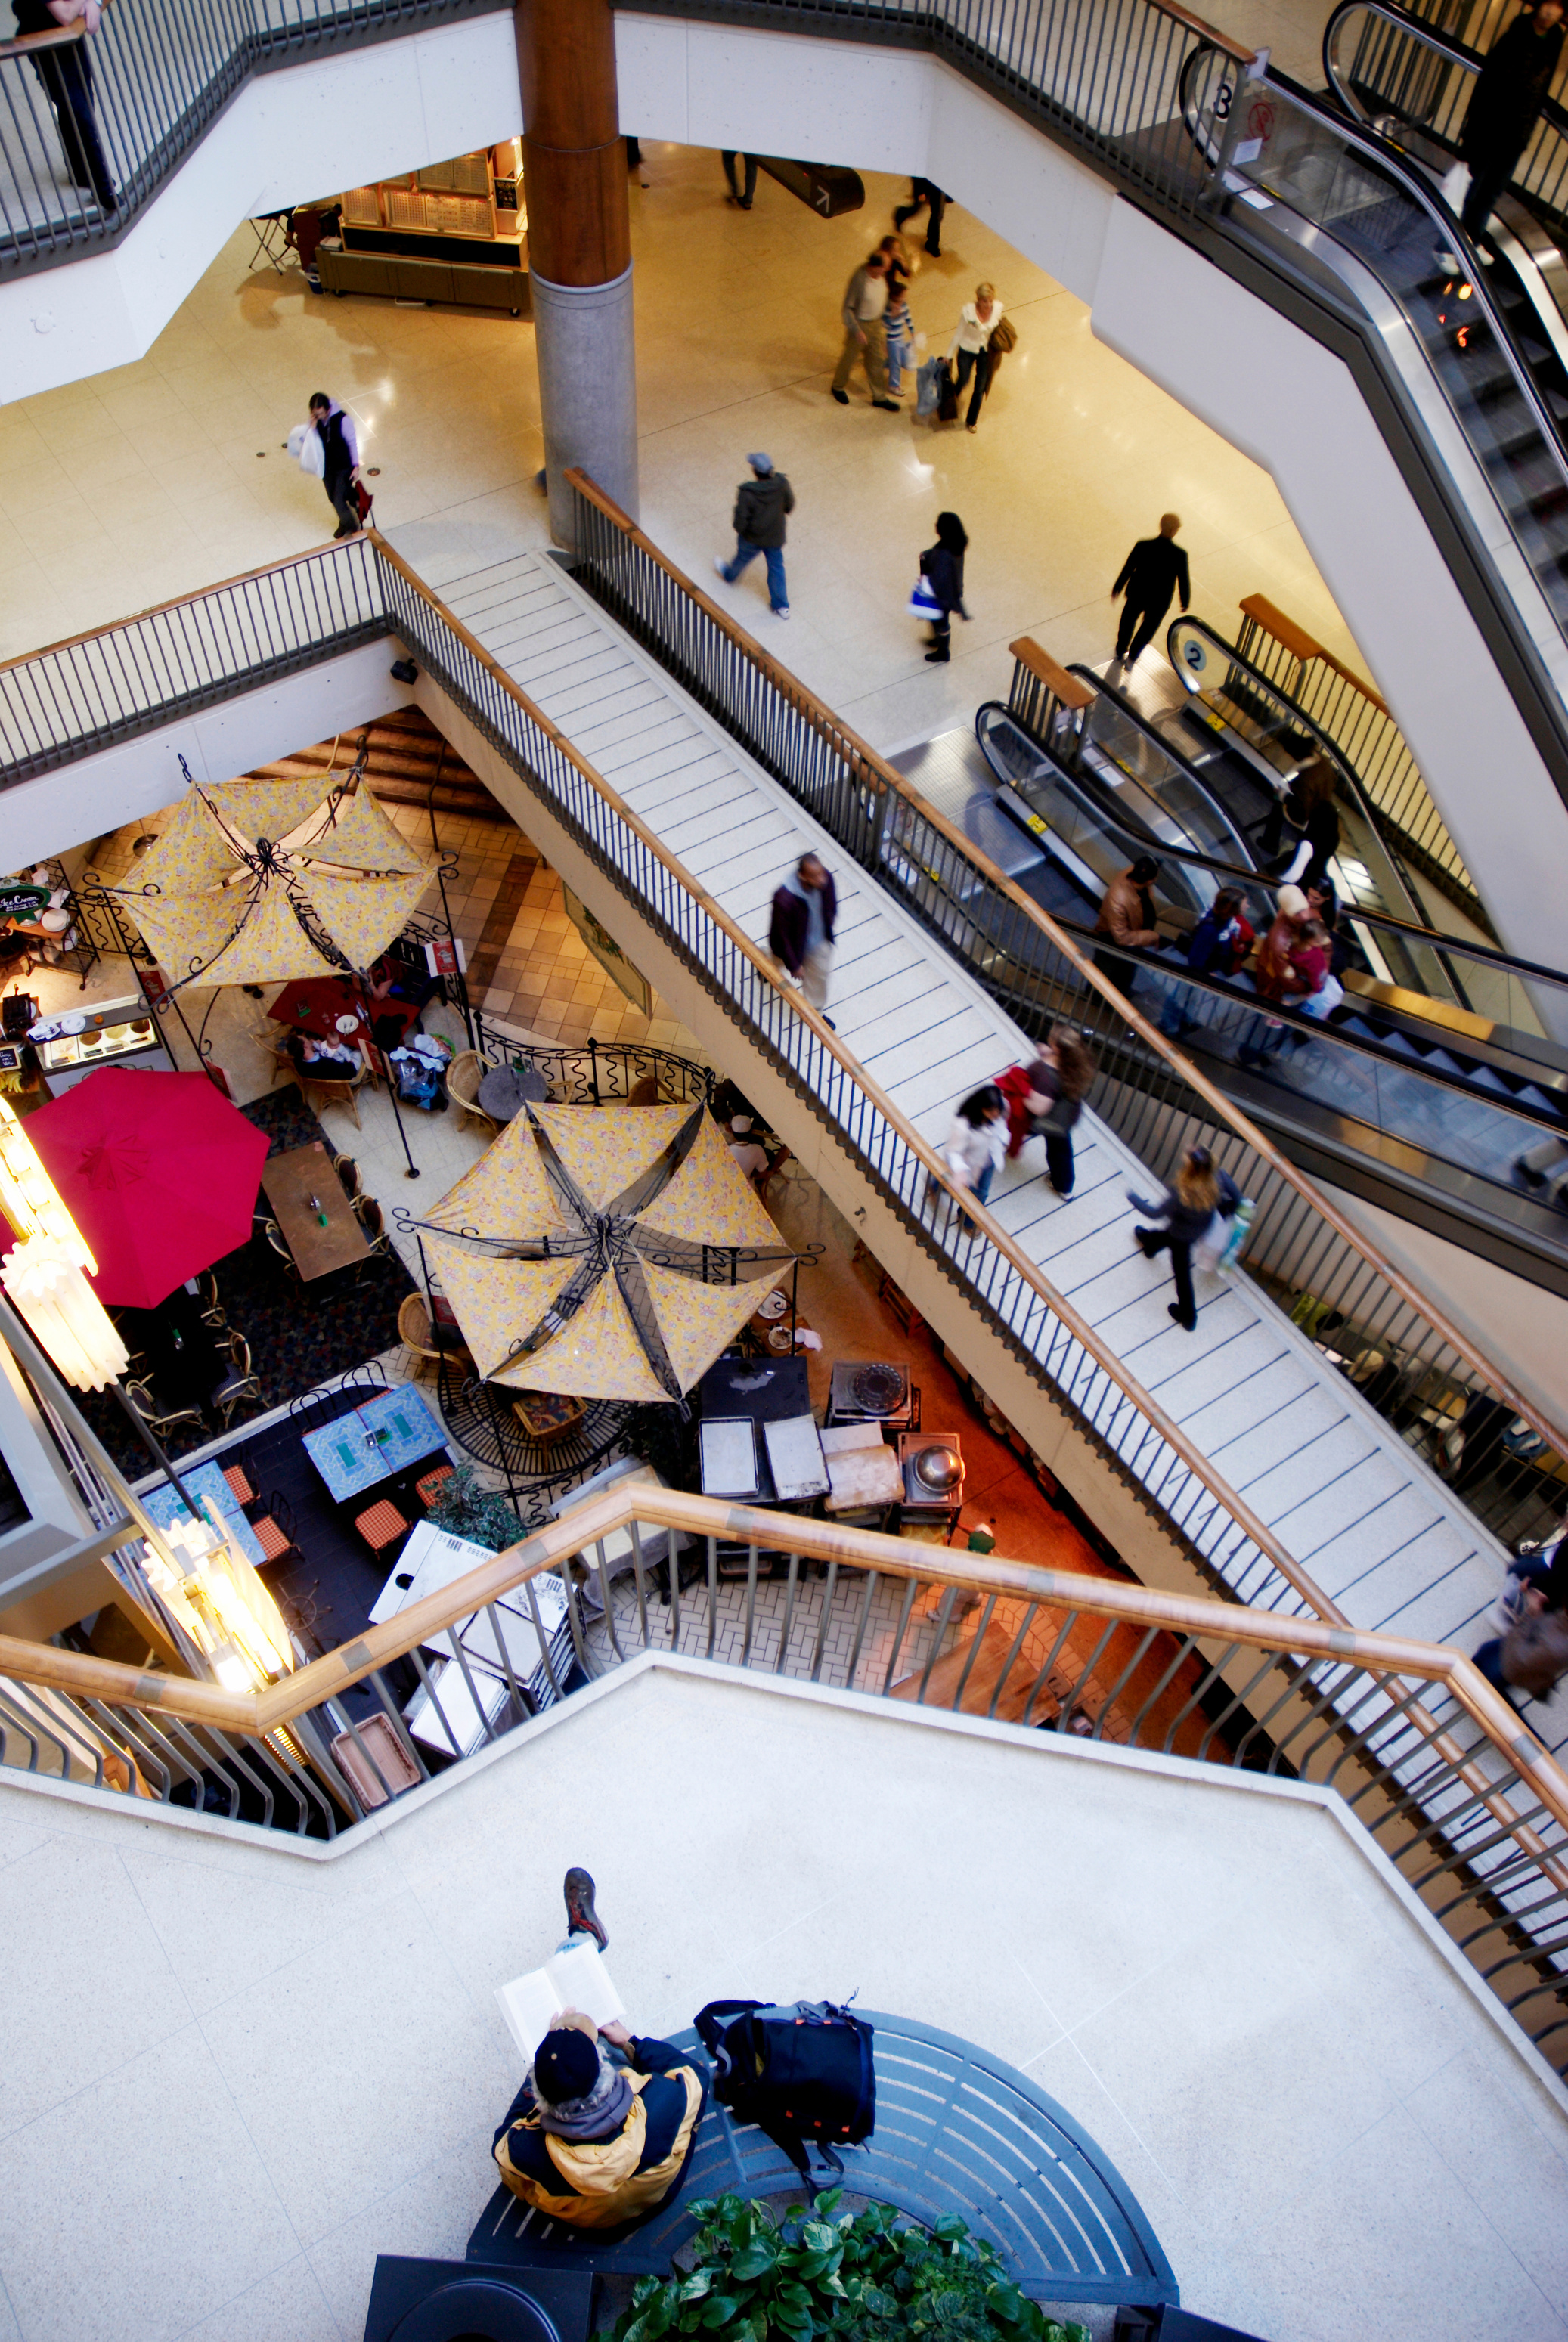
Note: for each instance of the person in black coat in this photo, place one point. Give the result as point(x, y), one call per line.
point(1154, 570)
point(1505, 105)
point(800, 928)
point(1308, 806)
point(66, 73)
point(761, 504)
point(1200, 1190)
point(941, 565)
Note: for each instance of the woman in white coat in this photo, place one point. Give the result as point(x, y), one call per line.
point(977, 1143)
point(978, 320)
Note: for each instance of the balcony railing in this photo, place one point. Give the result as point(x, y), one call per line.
point(1421, 1371)
point(1470, 1807)
point(91, 126)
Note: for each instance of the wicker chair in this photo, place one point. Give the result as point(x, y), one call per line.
point(317, 1093)
point(241, 1384)
point(414, 1331)
point(463, 1076)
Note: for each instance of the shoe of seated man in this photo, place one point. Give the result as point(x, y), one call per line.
point(581, 1916)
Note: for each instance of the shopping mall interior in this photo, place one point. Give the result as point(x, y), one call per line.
point(981, 1442)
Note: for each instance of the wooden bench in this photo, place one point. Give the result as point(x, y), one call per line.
point(957, 2131)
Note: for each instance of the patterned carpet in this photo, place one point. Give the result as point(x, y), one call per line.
point(299, 1336)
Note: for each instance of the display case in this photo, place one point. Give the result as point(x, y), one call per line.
point(456, 231)
point(114, 1033)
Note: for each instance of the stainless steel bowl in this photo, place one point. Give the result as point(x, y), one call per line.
point(939, 1469)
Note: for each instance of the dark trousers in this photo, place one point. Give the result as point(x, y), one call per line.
point(977, 362)
point(728, 160)
point(1138, 628)
point(342, 497)
point(921, 193)
point(1489, 1660)
point(1488, 178)
point(67, 79)
point(1059, 1159)
point(1117, 971)
point(1158, 1240)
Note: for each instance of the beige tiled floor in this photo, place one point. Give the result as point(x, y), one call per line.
point(158, 478)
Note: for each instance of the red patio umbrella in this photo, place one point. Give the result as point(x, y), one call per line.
point(158, 1171)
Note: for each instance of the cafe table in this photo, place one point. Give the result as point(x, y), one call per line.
point(374, 1442)
point(314, 1214)
point(211, 1490)
point(506, 1089)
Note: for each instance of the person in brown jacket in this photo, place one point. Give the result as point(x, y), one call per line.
point(1127, 917)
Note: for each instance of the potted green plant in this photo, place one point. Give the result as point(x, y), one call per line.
point(862, 2277)
point(465, 1510)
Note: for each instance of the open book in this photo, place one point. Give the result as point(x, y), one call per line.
point(573, 1979)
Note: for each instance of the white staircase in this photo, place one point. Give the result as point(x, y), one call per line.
point(1363, 1516)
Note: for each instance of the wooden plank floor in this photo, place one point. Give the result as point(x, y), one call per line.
point(1373, 1525)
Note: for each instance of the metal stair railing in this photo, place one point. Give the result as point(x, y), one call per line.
point(159, 72)
point(1423, 1371)
point(1453, 1788)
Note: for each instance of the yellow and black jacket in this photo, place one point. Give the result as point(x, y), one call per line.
point(601, 2183)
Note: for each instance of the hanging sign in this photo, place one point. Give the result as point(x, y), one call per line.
point(446, 956)
point(20, 900)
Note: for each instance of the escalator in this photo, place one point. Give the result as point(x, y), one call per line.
point(1345, 210)
point(1415, 1102)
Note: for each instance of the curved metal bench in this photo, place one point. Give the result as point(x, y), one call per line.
point(957, 2131)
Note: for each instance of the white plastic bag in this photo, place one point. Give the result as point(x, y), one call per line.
point(1455, 187)
point(306, 448)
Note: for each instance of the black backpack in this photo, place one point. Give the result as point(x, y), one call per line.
point(801, 2072)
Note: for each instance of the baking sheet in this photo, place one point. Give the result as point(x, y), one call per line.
point(795, 1458)
point(727, 1446)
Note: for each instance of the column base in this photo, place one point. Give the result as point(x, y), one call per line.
point(587, 392)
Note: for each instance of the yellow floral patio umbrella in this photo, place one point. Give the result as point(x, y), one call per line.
point(261, 881)
point(615, 1214)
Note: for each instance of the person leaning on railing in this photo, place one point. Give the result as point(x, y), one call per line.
point(66, 73)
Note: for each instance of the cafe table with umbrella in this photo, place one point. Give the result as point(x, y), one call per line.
point(160, 1174)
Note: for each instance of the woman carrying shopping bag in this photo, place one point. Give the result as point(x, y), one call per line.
point(940, 588)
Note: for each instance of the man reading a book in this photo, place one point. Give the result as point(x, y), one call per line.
point(591, 2141)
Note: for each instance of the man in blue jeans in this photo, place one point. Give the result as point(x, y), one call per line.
point(761, 504)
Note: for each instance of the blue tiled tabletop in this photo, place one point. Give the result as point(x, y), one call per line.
point(208, 1486)
point(390, 1430)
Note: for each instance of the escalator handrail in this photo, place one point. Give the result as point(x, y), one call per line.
point(1411, 182)
point(1138, 843)
point(1445, 43)
point(1327, 745)
point(1490, 954)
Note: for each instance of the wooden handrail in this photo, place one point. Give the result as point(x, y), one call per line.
point(831, 728)
point(1068, 688)
point(1386, 1658)
point(1300, 646)
point(766, 972)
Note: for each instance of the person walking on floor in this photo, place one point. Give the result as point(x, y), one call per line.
point(800, 932)
point(760, 504)
point(941, 566)
point(864, 334)
point(977, 321)
point(924, 192)
point(1505, 107)
point(66, 73)
point(1200, 1190)
point(340, 450)
point(897, 325)
point(726, 156)
point(1154, 570)
point(977, 1143)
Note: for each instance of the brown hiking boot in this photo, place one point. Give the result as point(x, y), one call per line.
point(578, 1889)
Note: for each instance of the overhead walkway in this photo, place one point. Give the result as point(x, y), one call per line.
point(1371, 1524)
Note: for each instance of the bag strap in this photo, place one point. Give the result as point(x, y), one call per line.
point(712, 2022)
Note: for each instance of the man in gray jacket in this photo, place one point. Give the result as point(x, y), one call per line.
point(865, 332)
point(761, 504)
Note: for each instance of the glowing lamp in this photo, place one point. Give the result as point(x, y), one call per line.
point(45, 1280)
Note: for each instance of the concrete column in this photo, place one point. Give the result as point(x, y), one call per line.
point(579, 248)
point(587, 391)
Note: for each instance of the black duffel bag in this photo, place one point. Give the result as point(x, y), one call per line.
point(799, 2072)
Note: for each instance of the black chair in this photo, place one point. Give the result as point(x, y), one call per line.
point(240, 1383)
point(160, 1414)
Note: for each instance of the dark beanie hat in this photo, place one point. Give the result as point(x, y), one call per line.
point(566, 2064)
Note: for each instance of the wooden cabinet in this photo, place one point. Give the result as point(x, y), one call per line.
point(409, 239)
